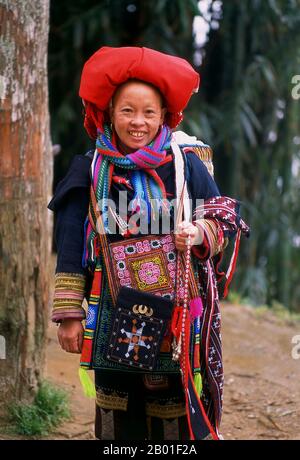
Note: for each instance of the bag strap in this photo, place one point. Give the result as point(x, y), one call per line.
point(100, 230)
point(183, 208)
point(181, 184)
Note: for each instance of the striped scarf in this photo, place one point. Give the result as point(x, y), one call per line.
point(145, 181)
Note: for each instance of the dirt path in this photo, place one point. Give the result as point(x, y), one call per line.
point(262, 384)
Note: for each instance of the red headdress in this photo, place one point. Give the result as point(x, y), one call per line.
point(109, 67)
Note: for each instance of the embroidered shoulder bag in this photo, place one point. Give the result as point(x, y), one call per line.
point(142, 279)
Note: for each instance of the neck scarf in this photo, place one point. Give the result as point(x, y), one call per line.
point(144, 179)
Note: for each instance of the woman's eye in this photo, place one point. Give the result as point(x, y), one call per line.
point(126, 110)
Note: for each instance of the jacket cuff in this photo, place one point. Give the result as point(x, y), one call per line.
point(213, 239)
point(68, 297)
point(201, 250)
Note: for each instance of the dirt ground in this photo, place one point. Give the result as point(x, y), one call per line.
point(262, 384)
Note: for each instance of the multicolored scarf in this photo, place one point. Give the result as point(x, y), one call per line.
point(146, 183)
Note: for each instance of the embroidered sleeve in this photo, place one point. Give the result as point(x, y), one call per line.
point(68, 297)
point(71, 206)
point(213, 239)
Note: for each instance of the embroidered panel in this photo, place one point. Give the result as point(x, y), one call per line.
point(147, 264)
point(111, 401)
point(166, 411)
point(140, 321)
point(68, 296)
point(135, 340)
point(164, 364)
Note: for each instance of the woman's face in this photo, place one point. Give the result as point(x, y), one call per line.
point(136, 115)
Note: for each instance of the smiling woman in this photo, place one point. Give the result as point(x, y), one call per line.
point(152, 330)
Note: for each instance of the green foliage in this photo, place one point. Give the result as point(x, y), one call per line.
point(49, 409)
point(244, 109)
point(279, 311)
point(249, 62)
point(234, 297)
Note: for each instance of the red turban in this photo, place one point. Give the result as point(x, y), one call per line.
point(109, 67)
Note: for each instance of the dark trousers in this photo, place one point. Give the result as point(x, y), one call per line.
point(132, 425)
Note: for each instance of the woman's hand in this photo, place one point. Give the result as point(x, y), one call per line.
point(70, 335)
point(181, 235)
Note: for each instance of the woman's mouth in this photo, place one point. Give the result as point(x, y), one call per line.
point(137, 134)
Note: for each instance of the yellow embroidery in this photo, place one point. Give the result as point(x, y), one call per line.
point(112, 401)
point(150, 273)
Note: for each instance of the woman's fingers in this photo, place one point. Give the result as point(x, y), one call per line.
point(186, 230)
point(80, 341)
point(180, 244)
point(70, 336)
point(73, 346)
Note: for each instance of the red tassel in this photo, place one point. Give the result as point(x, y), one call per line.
point(196, 356)
point(176, 321)
point(232, 264)
point(187, 375)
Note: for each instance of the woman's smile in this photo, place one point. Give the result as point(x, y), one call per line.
point(137, 134)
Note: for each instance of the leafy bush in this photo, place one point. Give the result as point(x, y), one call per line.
point(49, 408)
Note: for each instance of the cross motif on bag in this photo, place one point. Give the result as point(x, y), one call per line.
point(135, 339)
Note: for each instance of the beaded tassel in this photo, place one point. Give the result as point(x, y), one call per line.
point(192, 384)
point(179, 318)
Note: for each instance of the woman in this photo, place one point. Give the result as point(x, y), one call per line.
point(133, 97)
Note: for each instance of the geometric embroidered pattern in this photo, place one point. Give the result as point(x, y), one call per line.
point(135, 339)
point(68, 296)
point(147, 264)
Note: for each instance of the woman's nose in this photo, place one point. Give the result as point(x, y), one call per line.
point(138, 120)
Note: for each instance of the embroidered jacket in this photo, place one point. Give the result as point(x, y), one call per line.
point(70, 202)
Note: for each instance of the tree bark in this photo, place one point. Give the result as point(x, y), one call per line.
point(25, 187)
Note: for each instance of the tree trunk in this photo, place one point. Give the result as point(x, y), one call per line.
point(25, 187)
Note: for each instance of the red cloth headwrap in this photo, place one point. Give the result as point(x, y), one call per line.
point(109, 67)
